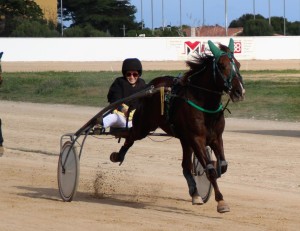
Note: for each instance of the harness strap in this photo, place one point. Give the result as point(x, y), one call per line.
point(169, 96)
point(220, 108)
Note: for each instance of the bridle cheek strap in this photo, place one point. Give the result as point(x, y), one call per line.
point(233, 71)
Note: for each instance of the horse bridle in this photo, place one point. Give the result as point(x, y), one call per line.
point(201, 88)
point(233, 71)
point(216, 70)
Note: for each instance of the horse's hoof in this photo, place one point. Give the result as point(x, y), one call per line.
point(223, 207)
point(115, 157)
point(197, 200)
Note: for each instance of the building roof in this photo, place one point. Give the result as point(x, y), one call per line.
point(212, 31)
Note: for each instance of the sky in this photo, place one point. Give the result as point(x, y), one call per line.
point(214, 11)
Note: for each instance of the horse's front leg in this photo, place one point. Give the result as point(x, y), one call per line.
point(218, 149)
point(187, 173)
point(200, 152)
point(211, 173)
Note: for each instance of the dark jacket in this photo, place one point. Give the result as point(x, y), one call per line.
point(121, 88)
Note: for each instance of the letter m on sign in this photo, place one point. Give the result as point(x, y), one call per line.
point(191, 47)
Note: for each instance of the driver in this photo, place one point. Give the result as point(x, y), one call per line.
point(126, 85)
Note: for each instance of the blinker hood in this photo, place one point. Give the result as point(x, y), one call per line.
point(216, 50)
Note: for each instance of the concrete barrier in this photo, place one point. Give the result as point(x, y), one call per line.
point(147, 49)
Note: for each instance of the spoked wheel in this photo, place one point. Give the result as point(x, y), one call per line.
point(204, 186)
point(68, 171)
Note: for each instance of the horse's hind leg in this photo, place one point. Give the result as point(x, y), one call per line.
point(134, 134)
point(120, 156)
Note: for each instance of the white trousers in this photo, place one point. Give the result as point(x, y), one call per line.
point(115, 120)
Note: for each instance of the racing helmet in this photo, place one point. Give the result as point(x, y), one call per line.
point(132, 64)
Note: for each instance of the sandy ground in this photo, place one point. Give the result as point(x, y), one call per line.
point(116, 66)
point(148, 192)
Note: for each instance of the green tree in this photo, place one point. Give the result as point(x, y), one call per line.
point(28, 28)
point(108, 16)
point(241, 21)
point(293, 28)
point(277, 24)
point(257, 27)
point(84, 31)
point(18, 15)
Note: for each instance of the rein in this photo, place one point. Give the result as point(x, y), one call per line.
point(201, 88)
point(216, 70)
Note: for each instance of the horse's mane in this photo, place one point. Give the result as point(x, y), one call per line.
point(197, 65)
point(199, 62)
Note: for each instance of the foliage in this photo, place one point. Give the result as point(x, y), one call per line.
point(276, 98)
point(18, 15)
point(257, 27)
point(277, 24)
point(84, 31)
point(30, 28)
point(241, 21)
point(293, 28)
point(108, 16)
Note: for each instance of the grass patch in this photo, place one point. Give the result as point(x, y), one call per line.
point(273, 95)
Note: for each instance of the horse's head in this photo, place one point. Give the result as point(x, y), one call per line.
point(226, 70)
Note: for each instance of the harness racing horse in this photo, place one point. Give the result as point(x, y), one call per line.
point(193, 113)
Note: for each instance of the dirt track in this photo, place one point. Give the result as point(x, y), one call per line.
point(148, 192)
point(116, 66)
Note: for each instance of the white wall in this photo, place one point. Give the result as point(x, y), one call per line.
point(146, 49)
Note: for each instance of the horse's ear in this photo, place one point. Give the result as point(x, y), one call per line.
point(214, 49)
point(231, 45)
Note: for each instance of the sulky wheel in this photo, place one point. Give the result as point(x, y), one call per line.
point(68, 171)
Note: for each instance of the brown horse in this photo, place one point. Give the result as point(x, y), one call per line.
point(193, 113)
